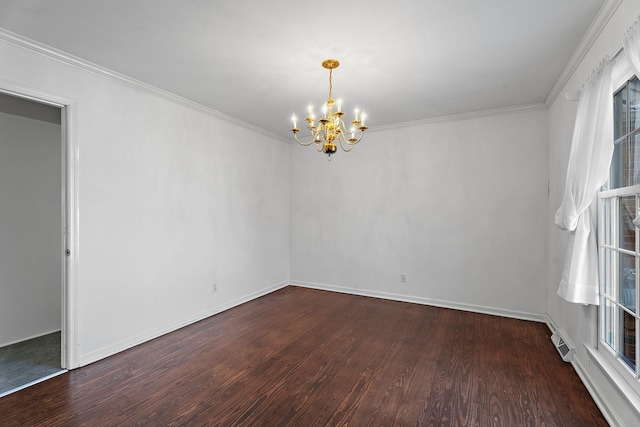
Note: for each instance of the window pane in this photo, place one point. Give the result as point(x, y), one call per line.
point(619, 164)
point(634, 158)
point(628, 281)
point(627, 230)
point(608, 325)
point(628, 347)
point(607, 225)
point(620, 113)
point(634, 104)
point(607, 272)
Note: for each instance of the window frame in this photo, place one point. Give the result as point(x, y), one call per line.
point(622, 74)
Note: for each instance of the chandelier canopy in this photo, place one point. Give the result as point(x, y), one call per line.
point(331, 130)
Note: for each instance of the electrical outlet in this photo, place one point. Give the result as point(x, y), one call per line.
point(403, 278)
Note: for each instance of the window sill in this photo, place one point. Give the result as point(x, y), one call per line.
point(620, 384)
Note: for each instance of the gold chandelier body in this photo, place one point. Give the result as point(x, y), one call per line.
point(331, 130)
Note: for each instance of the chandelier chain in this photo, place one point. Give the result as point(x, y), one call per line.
point(330, 82)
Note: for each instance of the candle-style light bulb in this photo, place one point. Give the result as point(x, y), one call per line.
point(364, 116)
point(324, 110)
point(310, 110)
point(293, 119)
point(357, 110)
point(339, 104)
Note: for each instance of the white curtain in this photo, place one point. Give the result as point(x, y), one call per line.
point(632, 47)
point(588, 170)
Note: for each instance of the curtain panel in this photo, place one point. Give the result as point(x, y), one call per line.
point(631, 47)
point(587, 171)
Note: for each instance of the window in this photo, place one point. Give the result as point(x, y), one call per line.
point(619, 239)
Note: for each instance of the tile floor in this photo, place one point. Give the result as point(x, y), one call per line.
point(28, 361)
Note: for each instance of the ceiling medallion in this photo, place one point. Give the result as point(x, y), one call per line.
point(331, 130)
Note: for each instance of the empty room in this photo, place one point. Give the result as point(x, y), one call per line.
point(295, 213)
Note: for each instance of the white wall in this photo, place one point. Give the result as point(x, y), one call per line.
point(578, 322)
point(459, 206)
point(171, 200)
point(30, 228)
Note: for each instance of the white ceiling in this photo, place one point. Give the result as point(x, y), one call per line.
point(259, 61)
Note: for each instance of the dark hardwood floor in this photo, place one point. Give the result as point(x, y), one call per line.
point(302, 357)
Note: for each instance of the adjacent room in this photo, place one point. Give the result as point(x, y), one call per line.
point(31, 267)
point(294, 213)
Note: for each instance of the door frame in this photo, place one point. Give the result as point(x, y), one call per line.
point(70, 214)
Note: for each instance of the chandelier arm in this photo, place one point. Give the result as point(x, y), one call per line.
point(344, 131)
point(349, 145)
point(342, 138)
point(358, 139)
point(305, 144)
point(342, 126)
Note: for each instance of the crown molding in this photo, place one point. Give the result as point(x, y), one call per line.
point(597, 25)
point(71, 60)
point(462, 116)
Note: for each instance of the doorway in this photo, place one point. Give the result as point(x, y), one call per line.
point(34, 235)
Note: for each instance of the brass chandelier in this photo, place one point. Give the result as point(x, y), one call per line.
point(331, 130)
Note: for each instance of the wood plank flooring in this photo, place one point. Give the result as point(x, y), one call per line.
point(303, 357)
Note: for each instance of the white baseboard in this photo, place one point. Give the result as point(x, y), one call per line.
point(426, 301)
point(118, 347)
